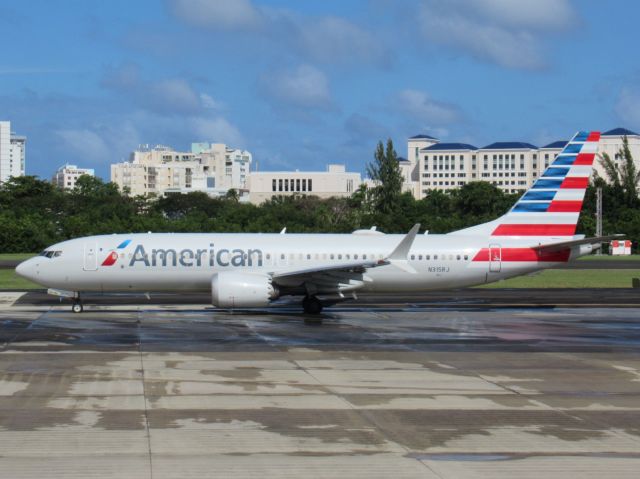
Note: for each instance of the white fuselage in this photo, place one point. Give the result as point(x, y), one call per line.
point(186, 262)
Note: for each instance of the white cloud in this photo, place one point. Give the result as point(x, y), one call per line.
point(301, 87)
point(420, 106)
point(535, 14)
point(327, 39)
point(173, 96)
point(208, 102)
point(335, 39)
point(505, 32)
point(627, 107)
point(100, 143)
point(218, 14)
point(86, 144)
point(218, 130)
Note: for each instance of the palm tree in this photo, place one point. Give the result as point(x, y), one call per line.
point(624, 177)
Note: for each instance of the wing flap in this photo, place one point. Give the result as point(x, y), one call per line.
point(351, 267)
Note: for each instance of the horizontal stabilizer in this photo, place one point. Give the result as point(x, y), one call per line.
point(551, 247)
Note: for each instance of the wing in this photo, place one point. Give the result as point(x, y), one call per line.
point(342, 276)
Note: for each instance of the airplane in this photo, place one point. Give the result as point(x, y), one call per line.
point(251, 270)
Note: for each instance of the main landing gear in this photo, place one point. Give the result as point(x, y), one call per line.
point(311, 305)
point(76, 307)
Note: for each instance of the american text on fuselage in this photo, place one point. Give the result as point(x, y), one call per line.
point(188, 257)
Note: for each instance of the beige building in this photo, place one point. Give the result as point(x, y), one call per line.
point(67, 175)
point(336, 181)
point(511, 166)
point(210, 168)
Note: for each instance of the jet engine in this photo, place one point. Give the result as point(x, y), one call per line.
point(231, 289)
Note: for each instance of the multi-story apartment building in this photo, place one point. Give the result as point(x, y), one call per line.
point(12, 152)
point(336, 181)
point(211, 168)
point(511, 166)
point(67, 175)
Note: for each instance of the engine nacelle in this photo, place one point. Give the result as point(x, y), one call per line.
point(234, 289)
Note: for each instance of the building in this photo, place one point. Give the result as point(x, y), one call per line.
point(67, 175)
point(410, 168)
point(611, 142)
point(446, 165)
point(12, 152)
point(336, 181)
point(210, 168)
point(511, 166)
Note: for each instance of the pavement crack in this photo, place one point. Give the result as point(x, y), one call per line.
point(144, 393)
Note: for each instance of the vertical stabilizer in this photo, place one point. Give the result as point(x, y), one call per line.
point(551, 207)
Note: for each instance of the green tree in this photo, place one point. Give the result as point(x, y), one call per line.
point(386, 172)
point(624, 177)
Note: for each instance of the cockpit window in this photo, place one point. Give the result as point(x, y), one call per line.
point(50, 254)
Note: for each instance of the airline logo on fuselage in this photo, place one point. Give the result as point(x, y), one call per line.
point(112, 257)
point(188, 257)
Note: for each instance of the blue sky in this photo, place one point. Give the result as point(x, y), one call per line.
point(302, 84)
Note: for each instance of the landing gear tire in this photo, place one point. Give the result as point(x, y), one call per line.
point(311, 305)
point(76, 307)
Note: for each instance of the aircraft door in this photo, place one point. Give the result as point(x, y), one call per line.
point(90, 257)
point(495, 258)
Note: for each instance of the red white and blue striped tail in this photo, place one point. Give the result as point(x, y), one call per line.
point(551, 207)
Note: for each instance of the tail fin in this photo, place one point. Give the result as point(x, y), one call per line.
point(551, 207)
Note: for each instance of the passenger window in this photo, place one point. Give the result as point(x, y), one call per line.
point(348, 256)
point(419, 257)
point(331, 256)
point(413, 256)
point(428, 257)
point(308, 256)
point(435, 256)
point(268, 256)
point(282, 256)
point(355, 256)
point(466, 257)
point(364, 256)
point(339, 256)
point(458, 257)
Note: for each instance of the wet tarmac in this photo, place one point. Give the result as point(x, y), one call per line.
point(384, 387)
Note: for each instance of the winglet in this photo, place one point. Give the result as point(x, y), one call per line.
point(402, 250)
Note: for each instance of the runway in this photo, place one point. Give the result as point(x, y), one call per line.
point(470, 385)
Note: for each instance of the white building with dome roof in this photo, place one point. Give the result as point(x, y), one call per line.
point(511, 166)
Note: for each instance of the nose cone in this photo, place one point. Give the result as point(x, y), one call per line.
point(27, 269)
